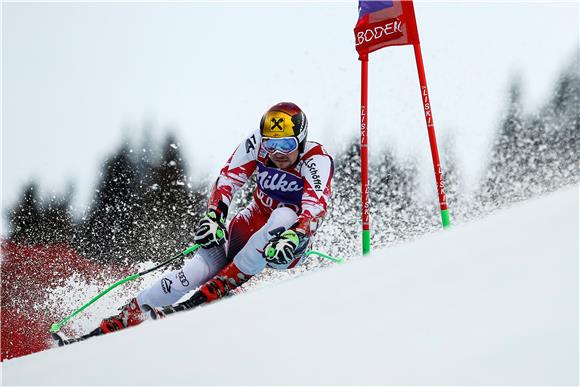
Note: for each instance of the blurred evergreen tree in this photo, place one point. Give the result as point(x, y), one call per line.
point(173, 209)
point(501, 181)
point(538, 153)
point(393, 185)
point(57, 221)
point(560, 119)
point(25, 217)
point(347, 179)
point(34, 221)
point(109, 229)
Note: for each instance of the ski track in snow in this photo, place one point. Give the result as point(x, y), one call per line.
point(490, 302)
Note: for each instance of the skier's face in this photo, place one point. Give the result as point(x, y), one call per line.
point(282, 160)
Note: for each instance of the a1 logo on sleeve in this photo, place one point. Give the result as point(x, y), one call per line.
point(251, 143)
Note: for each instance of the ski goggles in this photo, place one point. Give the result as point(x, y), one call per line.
point(283, 145)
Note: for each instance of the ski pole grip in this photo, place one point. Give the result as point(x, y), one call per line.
point(190, 249)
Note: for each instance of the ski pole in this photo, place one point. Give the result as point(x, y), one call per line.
point(333, 259)
point(56, 327)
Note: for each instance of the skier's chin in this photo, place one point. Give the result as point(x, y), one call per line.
point(284, 160)
point(282, 164)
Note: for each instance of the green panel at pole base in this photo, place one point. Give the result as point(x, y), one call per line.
point(445, 218)
point(366, 236)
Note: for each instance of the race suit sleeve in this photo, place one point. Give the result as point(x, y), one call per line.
point(317, 171)
point(238, 169)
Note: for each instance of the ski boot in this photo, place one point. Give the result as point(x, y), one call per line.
point(131, 314)
point(229, 278)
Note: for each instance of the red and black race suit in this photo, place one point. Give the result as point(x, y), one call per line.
point(304, 186)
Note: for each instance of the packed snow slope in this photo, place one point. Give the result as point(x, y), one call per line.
point(492, 302)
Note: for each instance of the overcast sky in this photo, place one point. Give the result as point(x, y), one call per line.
point(78, 78)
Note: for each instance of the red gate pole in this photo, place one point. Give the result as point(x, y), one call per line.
point(364, 155)
point(432, 140)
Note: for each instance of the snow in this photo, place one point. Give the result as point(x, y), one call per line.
point(485, 303)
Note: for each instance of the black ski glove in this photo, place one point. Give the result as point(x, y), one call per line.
point(211, 231)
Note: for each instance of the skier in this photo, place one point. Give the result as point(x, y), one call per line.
point(289, 203)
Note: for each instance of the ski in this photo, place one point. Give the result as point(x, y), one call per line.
point(61, 340)
point(194, 301)
point(197, 299)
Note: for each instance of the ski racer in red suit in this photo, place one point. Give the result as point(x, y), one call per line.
point(293, 178)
